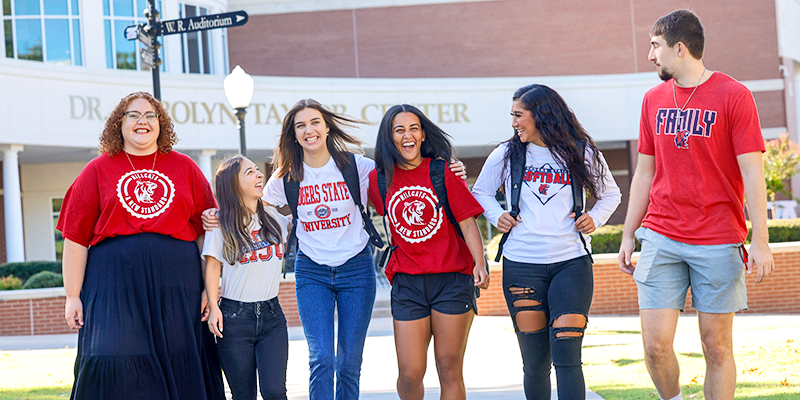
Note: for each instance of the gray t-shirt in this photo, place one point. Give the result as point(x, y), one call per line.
point(257, 276)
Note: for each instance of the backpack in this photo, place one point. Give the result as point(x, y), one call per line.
point(517, 172)
point(350, 173)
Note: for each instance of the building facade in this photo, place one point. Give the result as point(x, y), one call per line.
point(67, 63)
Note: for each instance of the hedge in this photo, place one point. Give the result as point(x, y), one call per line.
point(44, 279)
point(10, 282)
point(606, 239)
point(25, 270)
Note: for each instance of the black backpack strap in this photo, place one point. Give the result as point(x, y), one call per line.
point(437, 179)
point(577, 197)
point(517, 172)
point(291, 189)
point(350, 174)
point(382, 190)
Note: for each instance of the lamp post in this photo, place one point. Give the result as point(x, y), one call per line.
point(239, 91)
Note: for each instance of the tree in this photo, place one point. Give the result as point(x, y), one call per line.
point(781, 162)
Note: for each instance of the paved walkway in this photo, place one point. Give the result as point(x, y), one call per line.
point(492, 367)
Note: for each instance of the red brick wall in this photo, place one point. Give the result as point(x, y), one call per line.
point(499, 38)
point(615, 292)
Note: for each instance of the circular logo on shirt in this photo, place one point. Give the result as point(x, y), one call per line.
point(145, 193)
point(412, 211)
point(322, 211)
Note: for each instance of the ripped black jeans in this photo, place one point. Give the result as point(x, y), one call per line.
point(556, 289)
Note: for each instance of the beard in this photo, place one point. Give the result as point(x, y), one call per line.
point(664, 74)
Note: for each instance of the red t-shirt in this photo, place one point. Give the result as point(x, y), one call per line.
point(697, 195)
point(427, 242)
point(109, 198)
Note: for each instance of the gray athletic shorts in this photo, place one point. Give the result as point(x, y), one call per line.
point(667, 268)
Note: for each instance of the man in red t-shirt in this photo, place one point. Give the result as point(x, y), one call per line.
point(700, 148)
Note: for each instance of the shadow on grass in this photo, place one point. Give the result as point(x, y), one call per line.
point(626, 361)
point(39, 393)
point(626, 392)
point(692, 355)
point(613, 332)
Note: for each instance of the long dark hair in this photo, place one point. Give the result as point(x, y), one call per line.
point(559, 129)
point(234, 216)
point(288, 157)
point(436, 145)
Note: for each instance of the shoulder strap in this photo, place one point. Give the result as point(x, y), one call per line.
point(437, 179)
point(291, 189)
point(577, 196)
point(516, 175)
point(351, 179)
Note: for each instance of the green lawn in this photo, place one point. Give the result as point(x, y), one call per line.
point(36, 374)
point(767, 352)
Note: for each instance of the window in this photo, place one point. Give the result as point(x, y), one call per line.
point(196, 47)
point(117, 15)
point(59, 239)
point(43, 30)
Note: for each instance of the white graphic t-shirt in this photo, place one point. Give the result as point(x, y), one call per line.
point(330, 228)
point(257, 276)
point(547, 233)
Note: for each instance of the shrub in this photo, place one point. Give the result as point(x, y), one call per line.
point(25, 270)
point(44, 279)
point(10, 282)
point(606, 239)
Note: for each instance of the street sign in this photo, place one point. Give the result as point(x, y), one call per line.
point(203, 22)
point(148, 57)
point(134, 32)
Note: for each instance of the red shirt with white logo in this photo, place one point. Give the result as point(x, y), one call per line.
point(427, 242)
point(111, 198)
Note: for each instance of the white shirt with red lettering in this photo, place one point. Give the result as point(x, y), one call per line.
point(329, 228)
point(257, 276)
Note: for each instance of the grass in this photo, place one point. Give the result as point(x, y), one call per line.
point(36, 374)
point(766, 349)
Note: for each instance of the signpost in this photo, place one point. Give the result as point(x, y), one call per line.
point(148, 34)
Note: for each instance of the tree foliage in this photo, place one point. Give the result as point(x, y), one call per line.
point(781, 162)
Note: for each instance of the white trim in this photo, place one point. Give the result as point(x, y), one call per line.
point(773, 133)
point(255, 7)
point(764, 85)
point(24, 294)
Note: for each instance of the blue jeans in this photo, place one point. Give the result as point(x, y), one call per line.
point(350, 289)
point(560, 288)
point(255, 338)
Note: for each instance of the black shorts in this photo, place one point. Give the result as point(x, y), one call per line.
point(414, 296)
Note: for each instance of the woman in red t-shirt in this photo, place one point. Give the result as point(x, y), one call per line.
point(132, 270)
point(433, 270)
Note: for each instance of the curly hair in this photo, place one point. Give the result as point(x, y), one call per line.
point(111, 140)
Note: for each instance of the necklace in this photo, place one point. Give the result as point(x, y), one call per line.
point(134, 168)
point(675, 97)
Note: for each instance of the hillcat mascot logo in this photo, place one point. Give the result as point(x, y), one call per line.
point(145, 193)
point(412, 212)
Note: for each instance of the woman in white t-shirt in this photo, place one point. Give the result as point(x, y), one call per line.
point(547, 273)
point(248, 320)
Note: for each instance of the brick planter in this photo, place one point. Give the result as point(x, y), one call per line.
point(41, 311)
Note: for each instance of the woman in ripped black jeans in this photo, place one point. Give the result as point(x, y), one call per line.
point(547, 269)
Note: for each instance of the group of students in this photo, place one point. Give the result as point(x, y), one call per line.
point(436, 256)
point(129, 257)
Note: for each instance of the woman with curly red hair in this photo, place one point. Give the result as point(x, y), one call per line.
point(132, 270)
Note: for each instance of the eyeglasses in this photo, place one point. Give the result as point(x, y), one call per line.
point(135, 115)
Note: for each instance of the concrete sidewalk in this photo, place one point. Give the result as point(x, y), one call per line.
point(492, 366)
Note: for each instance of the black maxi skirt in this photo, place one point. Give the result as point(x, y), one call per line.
point(142, 336)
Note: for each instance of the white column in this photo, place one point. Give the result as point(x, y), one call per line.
point(204, 162)
point(12, 200)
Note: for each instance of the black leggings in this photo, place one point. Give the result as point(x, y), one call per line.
point(560, 288)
